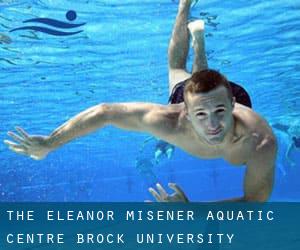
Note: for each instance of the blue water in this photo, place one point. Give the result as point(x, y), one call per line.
point(121, 56)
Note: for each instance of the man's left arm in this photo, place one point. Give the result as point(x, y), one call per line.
point(259, 176)
point(258, 180)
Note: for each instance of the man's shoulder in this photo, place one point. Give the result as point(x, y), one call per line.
point(166, 122)
point(255, 133)
point(252, 124)
point(249, 119)
point(167, 115)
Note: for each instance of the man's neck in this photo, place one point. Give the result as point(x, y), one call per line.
point(231, 134)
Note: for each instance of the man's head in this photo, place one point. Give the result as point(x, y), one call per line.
point(209, 103)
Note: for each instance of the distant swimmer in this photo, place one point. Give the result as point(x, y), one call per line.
point(283, 144)
point(163, 149)
point(208, 117)
point(146, 162)
point(292, 129)
point(145, 169)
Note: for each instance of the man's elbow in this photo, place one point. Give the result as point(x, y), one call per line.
point(257, 198)
point(93, 118)
point(263, 197)
point(104, 112)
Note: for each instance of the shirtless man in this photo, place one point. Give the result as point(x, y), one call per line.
point(206, 119)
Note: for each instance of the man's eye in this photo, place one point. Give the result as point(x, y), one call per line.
point(201, 114)
point(220, 111)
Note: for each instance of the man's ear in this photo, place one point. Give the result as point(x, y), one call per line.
point(233, 101)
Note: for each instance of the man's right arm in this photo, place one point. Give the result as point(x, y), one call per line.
point(145, 117)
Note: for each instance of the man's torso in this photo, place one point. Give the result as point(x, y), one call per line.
point(249, 130)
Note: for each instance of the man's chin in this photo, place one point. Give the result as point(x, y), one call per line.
point(214, 140)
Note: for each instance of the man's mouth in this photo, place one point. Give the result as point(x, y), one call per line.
point(215, 131)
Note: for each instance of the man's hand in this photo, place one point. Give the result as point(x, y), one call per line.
point(33, 146)
point(163, 196)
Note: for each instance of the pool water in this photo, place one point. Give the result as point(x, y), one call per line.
point(120, 56)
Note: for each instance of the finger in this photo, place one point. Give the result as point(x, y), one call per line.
point(9, 143)
point(23, 133)
point(18, 150)
point(154, 194)
point(177, 189)
point(16, 137)
point(161, 190)
point(12, 144)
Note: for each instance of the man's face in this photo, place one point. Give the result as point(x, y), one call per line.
point(210, 114)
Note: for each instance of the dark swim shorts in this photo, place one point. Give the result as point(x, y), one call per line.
point(240, 94)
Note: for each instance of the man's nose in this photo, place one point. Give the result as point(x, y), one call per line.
point(213, 123)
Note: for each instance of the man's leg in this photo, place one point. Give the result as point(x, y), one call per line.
point(179, 46)
point(196, 29)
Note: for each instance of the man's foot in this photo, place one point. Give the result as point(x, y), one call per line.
point(183, 3)
point(191, 3)
point(196, 29)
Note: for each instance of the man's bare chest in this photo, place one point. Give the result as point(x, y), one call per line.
point(235, 153)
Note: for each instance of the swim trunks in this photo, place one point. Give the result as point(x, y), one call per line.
point(240, 94)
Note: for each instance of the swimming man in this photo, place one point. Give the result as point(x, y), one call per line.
point(292, 130)
point(209, 119)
